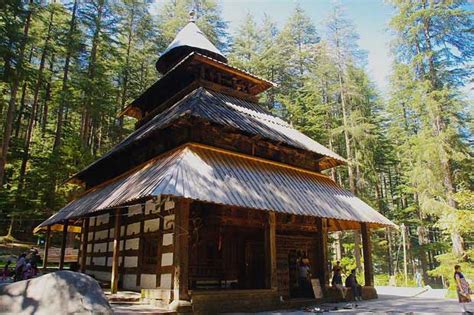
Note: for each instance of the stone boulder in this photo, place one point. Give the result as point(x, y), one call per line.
point(61, 292)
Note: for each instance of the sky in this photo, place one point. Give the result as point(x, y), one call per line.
point(370, 17)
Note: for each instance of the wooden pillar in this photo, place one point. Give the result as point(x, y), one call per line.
point(271, 280)
point(63, 245)
point(46, 247)
point(181, 250)
point(322, 252)
point(367, 251)
point(85, 241)
point(116, 252)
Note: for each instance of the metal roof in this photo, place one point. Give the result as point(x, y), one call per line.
point(189, 38)
point(218, 176)
point(230, 112)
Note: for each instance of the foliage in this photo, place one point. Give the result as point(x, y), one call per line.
point(68, 68)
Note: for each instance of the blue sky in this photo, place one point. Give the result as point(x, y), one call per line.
point(370, 17)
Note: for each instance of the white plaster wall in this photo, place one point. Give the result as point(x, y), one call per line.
point(148, 281)
point(100, 275)
point(134, 210)
point(169, 204)
point(129, 282)
point(165, 281)
point(99, 261)
point(100, 247)
point(168, 222)
point(131, 261)
point(152, 225)
point(150, 207)
point(167, 239)
point(167, 259)
point(101, 235)
point(132, 243)
point(133, 228)
point(103, 219)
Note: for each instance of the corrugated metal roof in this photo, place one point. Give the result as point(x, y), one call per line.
point(214, 175)
point(226, 111)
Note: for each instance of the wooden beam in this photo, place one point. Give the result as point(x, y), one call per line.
point(47, 243)
point(181, 250)
point(116, 252)
point(367, 252)
point(322, 252)
point(270, 252)
point(63, 245)
point(85, 241)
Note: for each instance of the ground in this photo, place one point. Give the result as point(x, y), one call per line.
point(392, 300)
point(386, 304)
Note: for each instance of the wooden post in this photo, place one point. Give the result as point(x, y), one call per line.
point(116, 252)
point(367, 251)
point(85, 241)
point(271, 280)
point(63, 245)
point(181, 250)
point(46, 247)
point(322, 252)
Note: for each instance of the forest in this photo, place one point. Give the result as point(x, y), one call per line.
point(68, 68)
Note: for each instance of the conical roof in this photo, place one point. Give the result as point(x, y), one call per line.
point(189, 39)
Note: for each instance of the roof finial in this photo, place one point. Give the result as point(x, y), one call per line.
point(192, 16)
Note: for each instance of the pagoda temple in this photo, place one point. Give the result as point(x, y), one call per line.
point(212, 201)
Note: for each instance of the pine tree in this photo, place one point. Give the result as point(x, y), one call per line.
point(434, 42)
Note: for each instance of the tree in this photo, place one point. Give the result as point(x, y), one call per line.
point(435, 45)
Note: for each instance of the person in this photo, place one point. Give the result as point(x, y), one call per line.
point(20, 266)
point(337, 283)
point(351, 282)
point(304, 277)
point(462, 288)
point(6, 270)
point(34, 259)
point(337, 266)
point(28, 272)
point(418, 279)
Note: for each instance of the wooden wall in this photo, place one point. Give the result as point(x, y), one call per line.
point(144, 227)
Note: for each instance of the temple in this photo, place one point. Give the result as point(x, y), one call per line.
point(212, 200)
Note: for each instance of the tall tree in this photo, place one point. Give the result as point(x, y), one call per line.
point(15, 77)
point(434, 40)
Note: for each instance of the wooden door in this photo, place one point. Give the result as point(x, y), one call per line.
point(254, 265)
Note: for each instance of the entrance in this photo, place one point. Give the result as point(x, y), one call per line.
point(298, 289)
point(255, 265)
point(226, 250)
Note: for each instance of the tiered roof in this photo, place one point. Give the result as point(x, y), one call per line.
point(199, 86)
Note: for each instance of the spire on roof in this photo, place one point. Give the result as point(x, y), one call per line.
point(192, 16)
point(188, 40)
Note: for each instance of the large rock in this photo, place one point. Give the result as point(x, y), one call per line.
point(61, 292)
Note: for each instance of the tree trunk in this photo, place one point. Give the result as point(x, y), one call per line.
point(34, 106)
point(7, 132)
point(124, 94)
point(87, 137)
point(439, 127)
point(62, 101)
